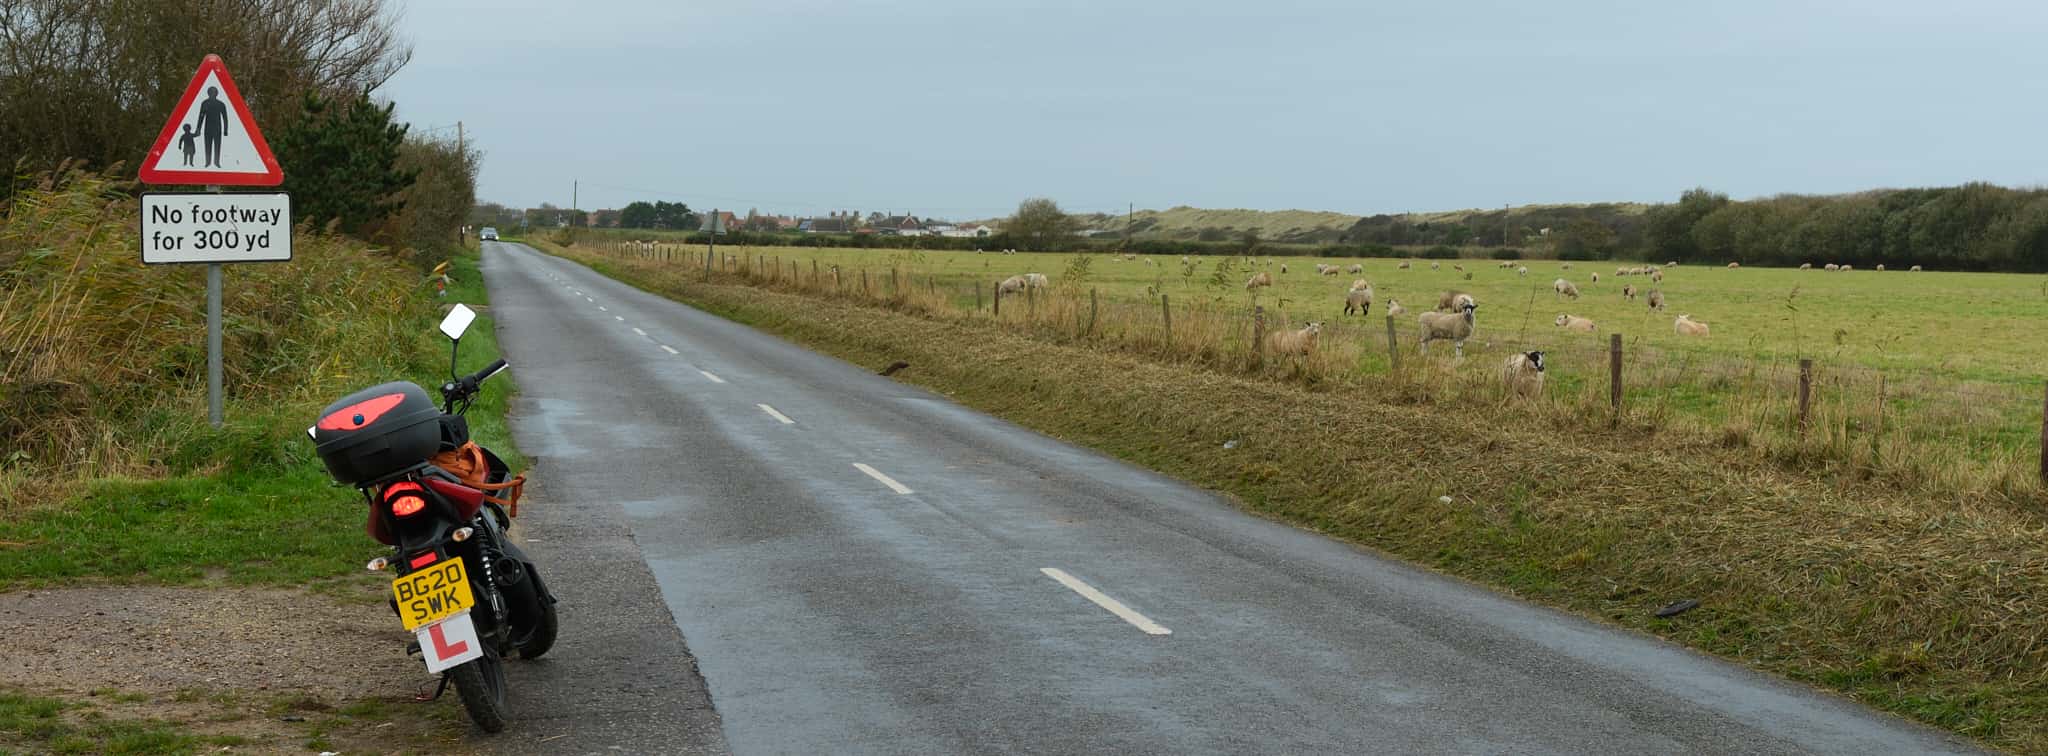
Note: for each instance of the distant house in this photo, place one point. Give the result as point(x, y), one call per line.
point(971, 231)
point(725, 221)
point(898, 225)
point(833, 225)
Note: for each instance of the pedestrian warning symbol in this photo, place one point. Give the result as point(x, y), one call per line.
point(211, 137)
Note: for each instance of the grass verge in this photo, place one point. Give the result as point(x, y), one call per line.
point(1923, 606)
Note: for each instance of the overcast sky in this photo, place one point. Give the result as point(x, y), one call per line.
point(960, 109)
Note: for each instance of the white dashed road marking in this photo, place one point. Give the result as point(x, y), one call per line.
point(638, 331)
point(777, 415)
point(617, 318)
point(886, 480)
point(669, 349)
point(601, 308)
point(1114, 606)
point(714, 379)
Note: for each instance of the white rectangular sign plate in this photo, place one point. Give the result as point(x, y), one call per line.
point(216, 228)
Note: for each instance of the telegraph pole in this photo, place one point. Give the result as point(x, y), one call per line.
point(1130, 211)
point(460, 145)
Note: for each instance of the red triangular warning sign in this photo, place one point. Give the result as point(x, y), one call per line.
point(211, 137)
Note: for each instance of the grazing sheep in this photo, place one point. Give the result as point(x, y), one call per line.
point(1360, 298)
point(1403, 265)
point(1449, 299)
point(1360, 283)
point(1734, 265)
point(1283, 267)
point(1686, 326)
point(1596, 276)
point(1880, 267)
point(1565, 288)
point(1300, 343)
point(1454, 327)
point(1459, 268)
point(1656, 299)
point(1567, 266)
point(1506, 264)
point(1618, 272)
point(1320, 268)
point(1914, 269)
point(1831, 267)
point(1011, 285)
point(1356, 269)
point(1522, 271)
point(1847, 268)
point(1036, 280)
point(1524, 375)
point(1657, 276)
point(1575, 323)
point(1332, 270)
point(1394, 308)
point(1672, 264)
point(1257, 280)
point(1436, 266)
point(1806, 266)
point(1628, 292)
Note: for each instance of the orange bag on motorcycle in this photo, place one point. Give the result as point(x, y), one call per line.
point(467, 463)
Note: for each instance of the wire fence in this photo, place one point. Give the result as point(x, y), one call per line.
point(1936, 427)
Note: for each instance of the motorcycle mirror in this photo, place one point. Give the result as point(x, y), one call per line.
point(457, 322)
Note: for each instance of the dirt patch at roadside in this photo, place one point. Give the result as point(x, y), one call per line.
point(251, 668)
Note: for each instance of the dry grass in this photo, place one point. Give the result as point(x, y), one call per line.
point(1920, 602)
point(102, 359)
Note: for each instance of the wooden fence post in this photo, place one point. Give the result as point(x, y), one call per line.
point(863, 282)
point(977, 296)
point(1166, 317)
point(999, 299)
point(2044, 437)
point(1805, 392)
point(1880, 404)
point(814, 271)
point(1091, 311)
point(1258, 334)
point(1030, 302)
point(1393, 348)
point(1614, 376)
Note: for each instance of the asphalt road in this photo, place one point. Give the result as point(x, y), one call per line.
point(863, 566)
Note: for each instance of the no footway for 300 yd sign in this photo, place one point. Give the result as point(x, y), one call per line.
point(216, 228)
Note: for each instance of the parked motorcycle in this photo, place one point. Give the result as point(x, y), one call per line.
point(462, 587)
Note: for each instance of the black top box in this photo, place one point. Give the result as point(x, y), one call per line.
point(378, 431)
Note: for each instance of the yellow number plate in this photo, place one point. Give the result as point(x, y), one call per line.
point(433, 594)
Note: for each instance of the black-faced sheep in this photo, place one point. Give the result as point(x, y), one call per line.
point(1656, 299)
point(1628, 292)
point(1686, 326)
point(1455, 326)
point(1300, 343)
point(1394, 308)
point(1524, 375)
point(1596, 276)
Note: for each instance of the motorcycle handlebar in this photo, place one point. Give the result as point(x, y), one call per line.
point(462, 388)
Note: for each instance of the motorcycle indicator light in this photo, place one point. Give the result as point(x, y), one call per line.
point(377, 565)
point(461, 534)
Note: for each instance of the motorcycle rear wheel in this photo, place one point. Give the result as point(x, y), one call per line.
point(481, 685)
point(542, 636)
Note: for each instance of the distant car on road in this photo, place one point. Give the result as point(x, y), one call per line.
point(488, 234)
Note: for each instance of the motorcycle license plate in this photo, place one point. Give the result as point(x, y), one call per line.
point(433, 594)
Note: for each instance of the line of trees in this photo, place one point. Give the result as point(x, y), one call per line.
point(1970, 227)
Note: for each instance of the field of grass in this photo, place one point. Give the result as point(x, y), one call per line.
point(1916, 600)
point(1916, 376)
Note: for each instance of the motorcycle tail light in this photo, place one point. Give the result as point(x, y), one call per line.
point(424, 559)
point(405, 498)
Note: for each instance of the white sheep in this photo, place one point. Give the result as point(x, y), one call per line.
point(1656, 299)
point(1011, 285)
point(1356, 269)
point(1619, 272)
point(1524, 375)
point(1657, 276)
point(1880, 267)
point(1565, 288)
point(1360, 283)
point(1506, 264)
point(1035, 280)
point(1295, 343)
point(1914, 269)
point(1575, 323)
point(1567, 266)
point(1455, 326)
point(1672, 264)
point(1522, 271)
point(1257, 280)
point(1394, 308)
point(1436, 266)
point(1448, 300)
point(1846, 268)
point(1596, 276)
point(1734, 265)
point(1360, 298)
point(1403, 265)
point(1831, 267)
point(1806, 266)
point(1628, 292)
point(1332, 270)
point(1686, 326)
